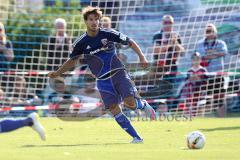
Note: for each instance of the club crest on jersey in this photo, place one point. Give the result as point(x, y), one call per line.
point(104, 41)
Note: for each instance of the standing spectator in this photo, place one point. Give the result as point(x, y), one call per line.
point(167, 48)
point(213, 52)
point(6, 50)
point(59, 45)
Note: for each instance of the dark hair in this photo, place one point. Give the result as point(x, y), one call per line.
point(91, 10)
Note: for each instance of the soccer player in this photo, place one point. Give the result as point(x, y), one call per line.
point(7, 125)
point(97, 49)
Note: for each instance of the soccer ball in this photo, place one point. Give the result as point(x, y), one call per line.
point(195, 140)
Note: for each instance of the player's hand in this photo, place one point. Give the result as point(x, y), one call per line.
point(53, 74)
point(144, 62)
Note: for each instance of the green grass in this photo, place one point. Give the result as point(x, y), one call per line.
point(103, 140)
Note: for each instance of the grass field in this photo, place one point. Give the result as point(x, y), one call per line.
point(102, 139)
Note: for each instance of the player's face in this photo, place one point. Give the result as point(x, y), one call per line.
point(92, 23)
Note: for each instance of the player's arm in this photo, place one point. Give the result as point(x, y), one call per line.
point(139, 52)
point(118, 37)
point(68, 65)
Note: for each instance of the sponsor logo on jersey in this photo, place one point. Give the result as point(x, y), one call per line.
point(104, 41)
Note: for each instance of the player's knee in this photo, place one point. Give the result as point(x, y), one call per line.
point(130, 102)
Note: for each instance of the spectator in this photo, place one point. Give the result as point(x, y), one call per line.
point(6, 50)
point(106, 22)
point(213, 51)
point(19, 95)
point(59, 45)
point(194, 89)
point(167, 48)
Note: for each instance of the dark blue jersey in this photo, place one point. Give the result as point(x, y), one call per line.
point(99, 52)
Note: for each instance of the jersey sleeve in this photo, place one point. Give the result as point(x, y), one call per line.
point(77, 49)
point(118, 37)
point(222, 48)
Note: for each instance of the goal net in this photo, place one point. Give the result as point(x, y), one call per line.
point(31, 26)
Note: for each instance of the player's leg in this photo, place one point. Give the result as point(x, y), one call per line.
point(124, 122)
point(37, 126)
point(8, 125)
point(137, 103)
point(111, 100)
point(126, 88)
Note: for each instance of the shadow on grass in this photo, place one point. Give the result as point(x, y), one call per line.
point(221, 129)
point(74, 145)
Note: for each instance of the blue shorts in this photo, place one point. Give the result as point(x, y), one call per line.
point(115, 89)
